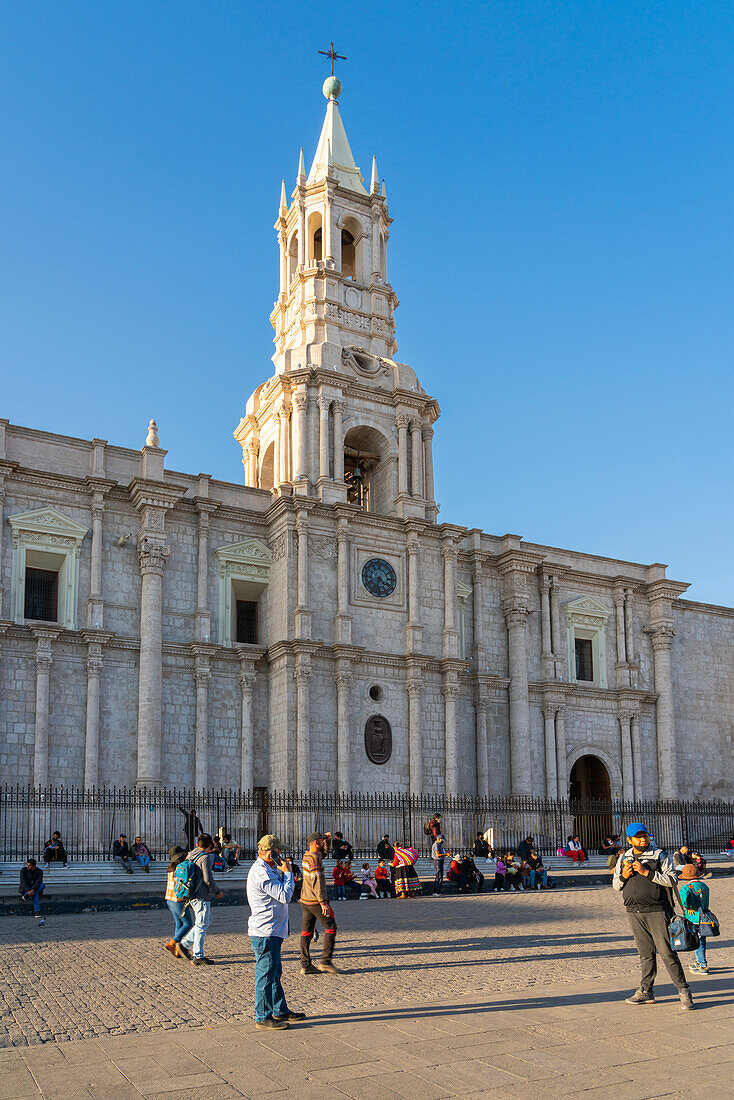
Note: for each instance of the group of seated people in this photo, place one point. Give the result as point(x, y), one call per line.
point(520, 869)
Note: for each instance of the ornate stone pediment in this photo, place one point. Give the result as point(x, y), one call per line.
point(46, 521)
point(249, 552)
point(587, 611)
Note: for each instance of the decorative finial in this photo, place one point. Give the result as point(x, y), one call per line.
point(301, 169)
point(283, 201)
point(384, 190)
point(375, 182)
point(332, 85)
point(152, 440)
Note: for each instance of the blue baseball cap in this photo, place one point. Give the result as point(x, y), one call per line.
point(635, 828)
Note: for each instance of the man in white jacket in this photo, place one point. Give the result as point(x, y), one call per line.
point(270, 886)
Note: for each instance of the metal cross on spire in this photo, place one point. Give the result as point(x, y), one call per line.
point(333, 56)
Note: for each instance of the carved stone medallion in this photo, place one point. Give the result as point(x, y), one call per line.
point(378, 739)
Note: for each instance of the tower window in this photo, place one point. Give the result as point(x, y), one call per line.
point(247, 622)
point(349, 255)
point(42, 594)
point(317, 251)
point(584, 659)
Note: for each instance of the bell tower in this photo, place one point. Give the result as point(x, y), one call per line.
point(341, 419)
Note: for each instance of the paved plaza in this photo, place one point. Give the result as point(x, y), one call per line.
point(498, 995)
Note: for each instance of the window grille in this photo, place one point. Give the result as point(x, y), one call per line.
point(42, 594)
point(247, 622)
point(584, 660)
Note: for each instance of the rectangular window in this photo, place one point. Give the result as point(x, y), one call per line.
point(247, 622)
point(584, 659)
point(42, 594)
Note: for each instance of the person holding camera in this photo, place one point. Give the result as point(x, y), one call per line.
point(270, 885)
point(645, 875)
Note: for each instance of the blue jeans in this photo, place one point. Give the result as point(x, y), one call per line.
point(534, 874)
point(701, 953)
point(184, 918)
point(143, 859)
point(36, 899)
point(269, 995)
point(438, 868)
point(194, 938)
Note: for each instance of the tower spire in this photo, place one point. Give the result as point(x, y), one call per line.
point(283, 201)
point(301, 169)
point(333, 153)
point(375, 181)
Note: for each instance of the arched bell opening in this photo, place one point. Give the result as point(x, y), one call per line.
point(367, 469)
point(267, 468)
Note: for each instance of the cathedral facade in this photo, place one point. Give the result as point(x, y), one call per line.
point(317, 628)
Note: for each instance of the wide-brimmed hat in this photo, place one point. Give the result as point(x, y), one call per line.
point(314, 836)
point(175, 852)
point(267, 843)
point(690, 871)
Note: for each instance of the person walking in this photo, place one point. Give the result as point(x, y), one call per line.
point(200, 899)
point(270, 886)
point(183, 915)
point(315, 907)
point(407, 883)
point(32, 886)
point(694, 897)
point(438, 855)
point(644, 875)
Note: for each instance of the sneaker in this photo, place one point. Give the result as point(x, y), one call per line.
point(328, 968)
point(293, 1017)
point(640, 998)
point(271, 1022)
point(305, 970)
point(686, 1000)
point(694, 968)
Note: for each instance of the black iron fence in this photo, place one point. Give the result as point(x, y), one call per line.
point(90, 820)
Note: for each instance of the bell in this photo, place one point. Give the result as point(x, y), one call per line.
point(357, 475)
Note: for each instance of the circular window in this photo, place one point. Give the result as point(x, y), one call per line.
point(376, 693)
point(379, 577)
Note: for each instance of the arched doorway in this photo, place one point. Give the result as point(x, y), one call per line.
point(590, 779)
point(590, 783)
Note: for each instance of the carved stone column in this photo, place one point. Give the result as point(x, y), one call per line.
point(402, 422)
point(625, 735)
point(516, 615)
point(324, 403)
point(251, 464)
point(95, 603)
point(480, 707)
point(312, 446)
point(430, 493)
point(152, 559)
point(276, 447)
point(623, 675)
point(283, 245)
point(413, 630)
point(338, 407)
point(546, 632)
point(284, 448)
point(551, 772)
point(343, 622)
point(301, 231)
point(300, 435)
point(303, 611)
point(557, 642)
point(95, 642)
point(303, 731)
point(202, 676)
point(629, 632)
point(561, 752)
point(662, 640)
point(450, 692)
point(44, 659)
point(477, 580)
point(637, 756)
point(415, 747)
point(450, 633)
point(203, 616)
point(417, 459)
point(247, 685)
point(343, 769)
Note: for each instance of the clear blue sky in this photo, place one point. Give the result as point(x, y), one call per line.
point(560, 175)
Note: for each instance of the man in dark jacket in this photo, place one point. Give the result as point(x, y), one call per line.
point(121, 854)
point(31, 886)
point(200, 898)
point(341, 848)
point(481, 847)
point(473, 875)
point(385, 849)
point(525, 847)
point(645, 875)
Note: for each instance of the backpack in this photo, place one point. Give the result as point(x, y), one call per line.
point(184, 878)
point(682, 935)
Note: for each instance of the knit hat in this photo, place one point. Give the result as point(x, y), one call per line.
point(689, 872)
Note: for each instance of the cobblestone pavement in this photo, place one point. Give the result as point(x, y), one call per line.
point(498, 995)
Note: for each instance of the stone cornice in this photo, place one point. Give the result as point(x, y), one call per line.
point(145, 493)
point(704, 608)
point(102, 485)
point(666, 589)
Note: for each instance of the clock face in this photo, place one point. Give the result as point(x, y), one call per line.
point(379, 577)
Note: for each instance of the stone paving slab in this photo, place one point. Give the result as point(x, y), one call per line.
point(493, 996)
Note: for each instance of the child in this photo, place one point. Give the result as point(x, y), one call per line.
point(383, 881)
point(368, 880)
point(694, 897)
point(338, 876)
point(499, 874)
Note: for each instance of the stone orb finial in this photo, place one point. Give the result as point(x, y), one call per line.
point(152, 440)
point(332, 88)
